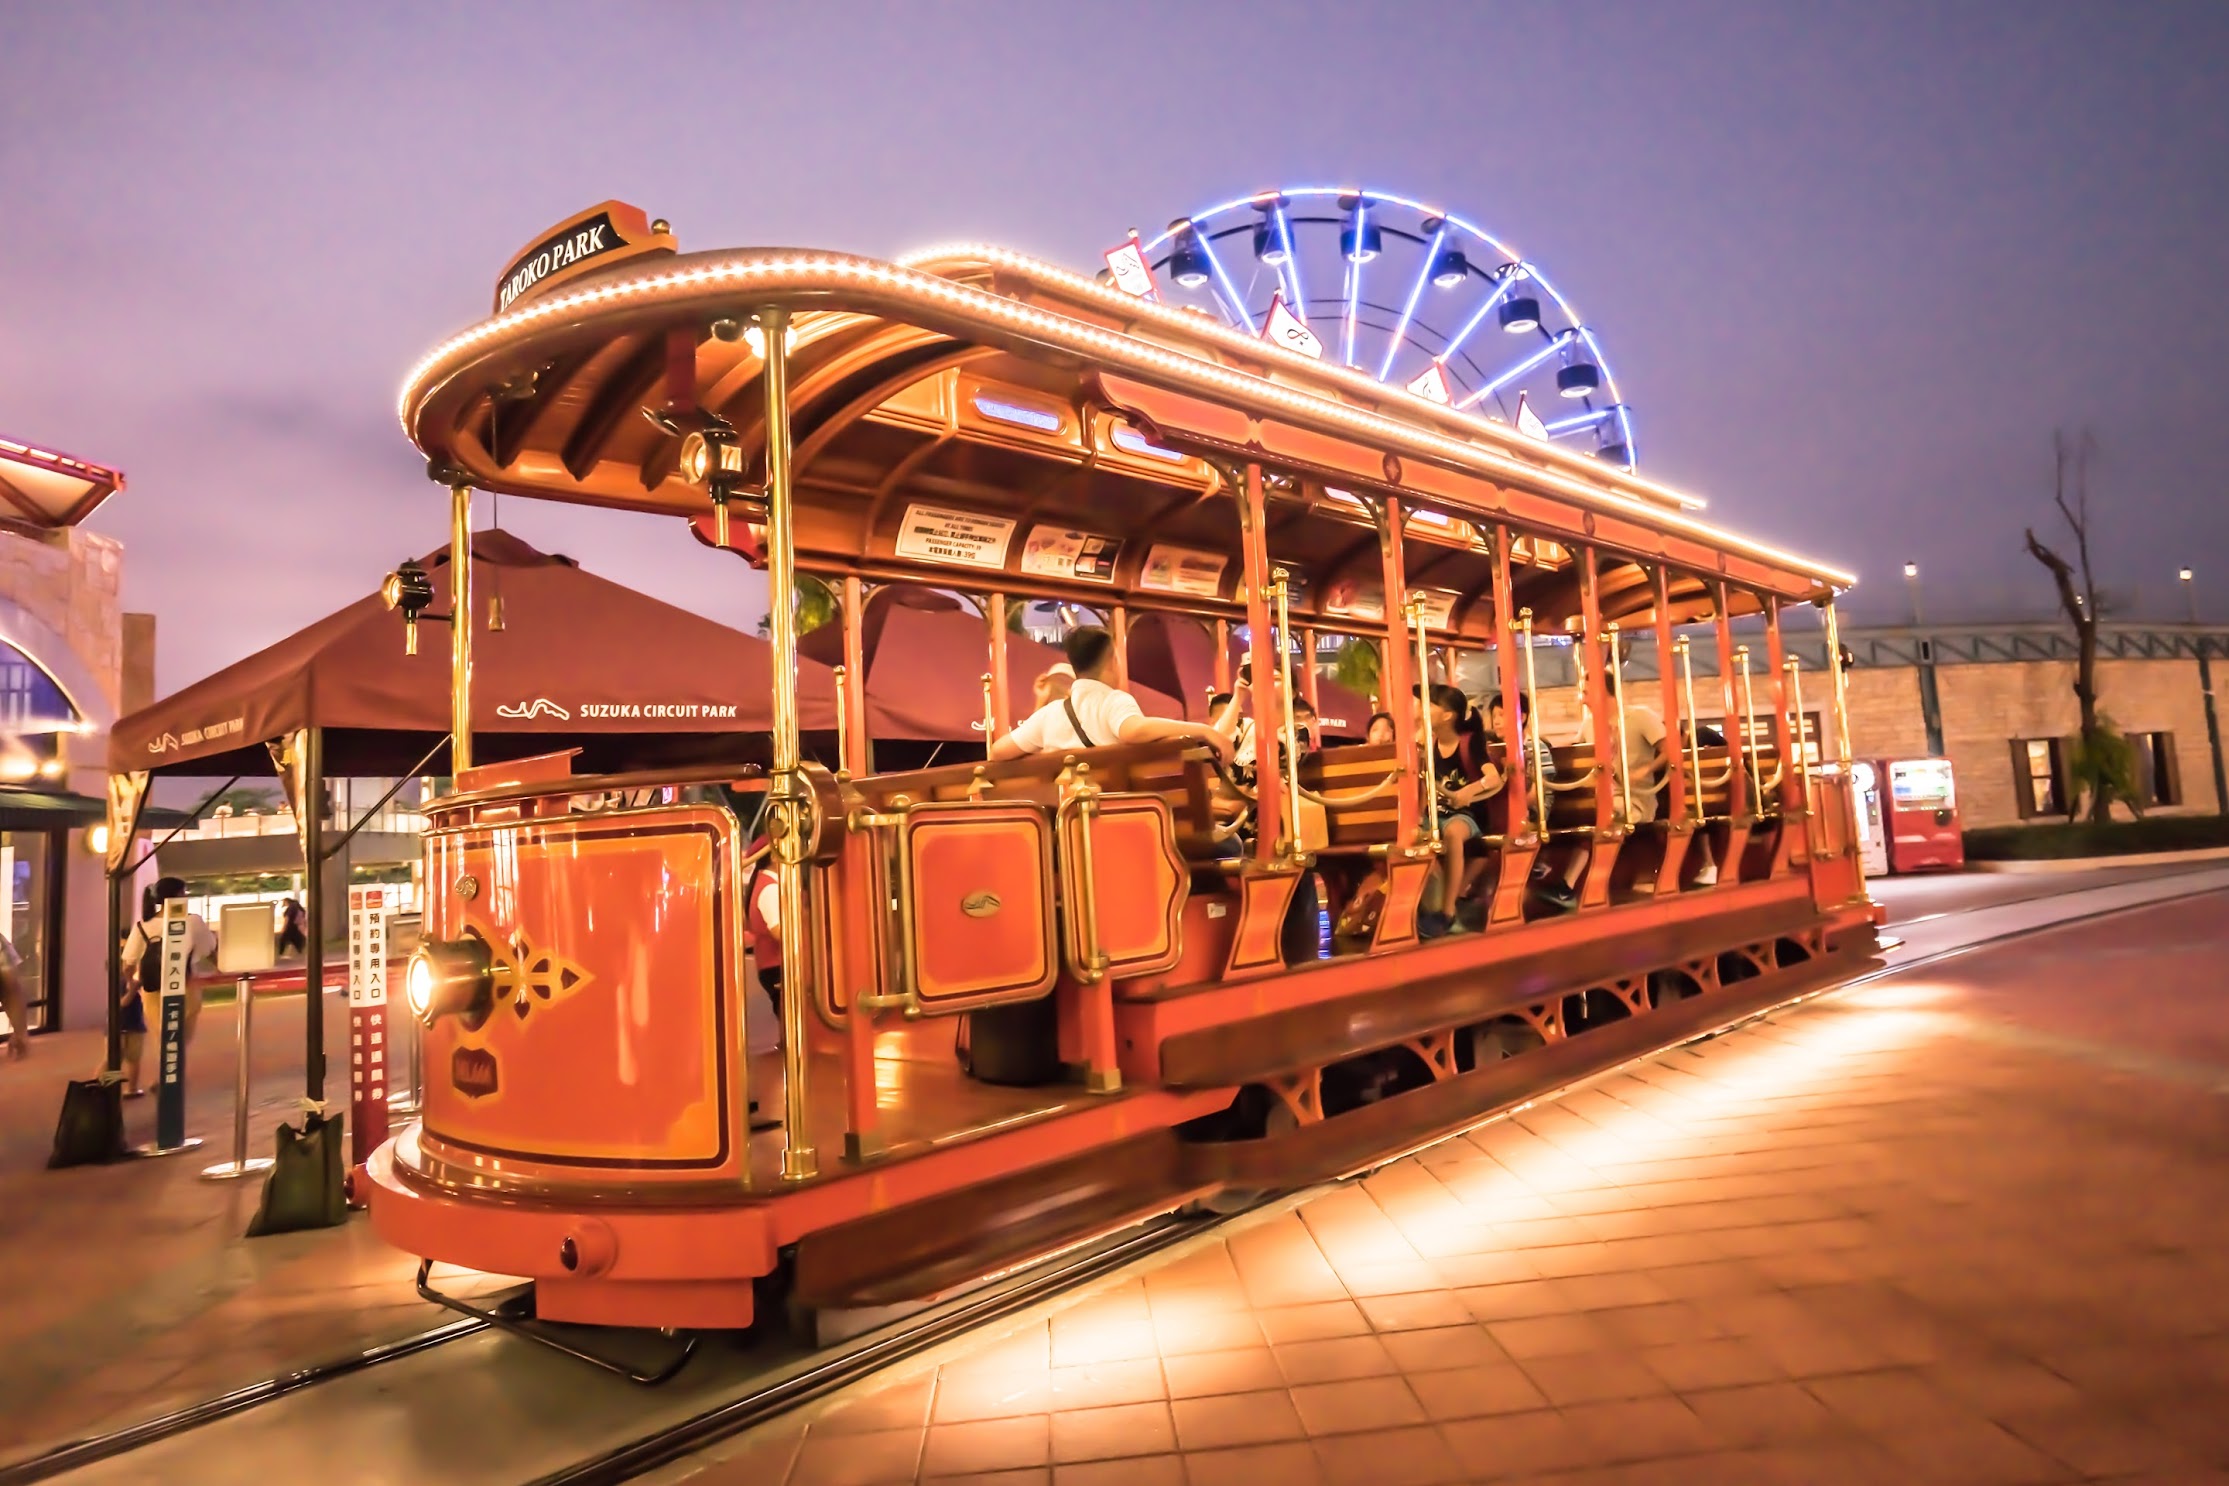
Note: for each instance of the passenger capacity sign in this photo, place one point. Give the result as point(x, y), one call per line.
point(1058, 552)
point(955, 538)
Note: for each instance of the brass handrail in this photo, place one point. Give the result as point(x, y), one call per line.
point(1617, 700)
point(1694, 738)
point(1288, 727)
point(990, 713)
point(1084, 892)
point(1414, 611)
point(1525, 738)
point(843, 731)
point(1370, 793)
point(1803, 754)
point(1749, 730)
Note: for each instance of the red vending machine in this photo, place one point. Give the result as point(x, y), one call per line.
point(1921, 801)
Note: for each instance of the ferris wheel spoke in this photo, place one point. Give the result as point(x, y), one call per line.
point(1556, 343)
point(1354, 271)
point(1501, 291)
point(1578, 421)
point(1237, 301)
point(1289, 270)
point(1416, 292)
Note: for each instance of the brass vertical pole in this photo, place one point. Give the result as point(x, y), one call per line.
point(843, 725)
point(1749, 732)
point(1694, 738)
point(1288, 724)
point(1414, 609)
point(1532, 740)
point(1625, 752)
point(1002, 693)
point(1841, 690)
point(798, 1158)
point(460, 629)
point(1803, 753)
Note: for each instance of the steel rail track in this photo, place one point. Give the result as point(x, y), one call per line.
point(93, 1449)
point(832, 1368)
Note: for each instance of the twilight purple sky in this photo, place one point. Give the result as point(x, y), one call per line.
point(1852, 262)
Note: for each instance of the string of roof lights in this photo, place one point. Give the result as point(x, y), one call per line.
point(712, 279)
point(1462, 279)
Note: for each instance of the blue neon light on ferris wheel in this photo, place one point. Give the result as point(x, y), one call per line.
point(1602, 424)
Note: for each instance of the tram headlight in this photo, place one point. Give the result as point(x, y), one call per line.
point(709, 452)
point(407, 588)
point(453, 977)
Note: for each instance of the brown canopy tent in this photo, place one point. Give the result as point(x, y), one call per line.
point(580, 662)
point(926, 655)
point(1177, 655)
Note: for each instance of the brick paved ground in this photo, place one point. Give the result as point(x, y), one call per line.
point(130, 1290)
point(1962, 1225)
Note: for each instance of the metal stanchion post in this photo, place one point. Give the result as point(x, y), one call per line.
point(170, 1092)
point(241, 1163)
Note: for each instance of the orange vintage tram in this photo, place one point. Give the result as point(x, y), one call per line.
point(973, 419)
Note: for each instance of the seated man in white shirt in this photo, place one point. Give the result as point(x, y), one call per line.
point(1094, 714)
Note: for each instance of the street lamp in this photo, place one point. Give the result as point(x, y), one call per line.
point(2190, 594)
point(1911, 580)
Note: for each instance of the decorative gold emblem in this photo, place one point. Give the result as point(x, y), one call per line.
point(539, 977)
point(468, 887)
point(980, 905)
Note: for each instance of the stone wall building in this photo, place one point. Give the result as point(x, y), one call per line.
point(70, 662)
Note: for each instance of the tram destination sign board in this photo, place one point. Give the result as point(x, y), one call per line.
point(608, 233)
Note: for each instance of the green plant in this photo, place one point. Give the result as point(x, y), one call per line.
point(2101, 768)
point(1355, 666)
point(816, 605)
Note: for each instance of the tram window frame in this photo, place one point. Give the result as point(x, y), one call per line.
point(2050, 802)
point(2158, 774)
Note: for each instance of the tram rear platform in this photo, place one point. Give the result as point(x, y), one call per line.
point(1959, 1223)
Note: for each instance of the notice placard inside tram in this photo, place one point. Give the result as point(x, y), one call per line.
point(1183, 570)
point(1060, 552)
point(956, 538)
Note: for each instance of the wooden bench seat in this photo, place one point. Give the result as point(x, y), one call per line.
point(1358, 813)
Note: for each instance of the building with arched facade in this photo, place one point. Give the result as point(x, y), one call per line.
point(71, 661)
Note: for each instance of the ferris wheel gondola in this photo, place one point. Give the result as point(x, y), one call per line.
point(1407, 293)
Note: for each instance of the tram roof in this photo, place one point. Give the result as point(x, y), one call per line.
point(967, 417)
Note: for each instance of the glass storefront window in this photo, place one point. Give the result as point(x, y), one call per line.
point(24, 859)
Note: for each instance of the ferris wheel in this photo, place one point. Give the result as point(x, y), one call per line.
point(1405, 292)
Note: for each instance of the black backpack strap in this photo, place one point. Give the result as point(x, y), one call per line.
point(1076, 722)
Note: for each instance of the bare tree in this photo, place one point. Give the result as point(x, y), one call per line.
point(2099, 769)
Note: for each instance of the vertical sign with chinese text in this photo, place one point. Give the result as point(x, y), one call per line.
point(367, 1021)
